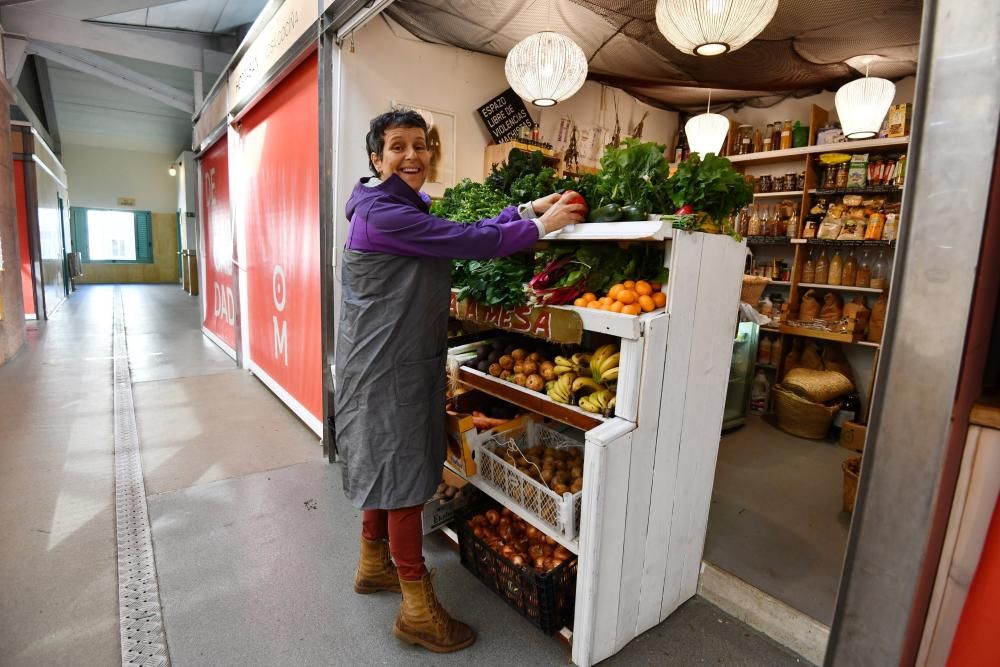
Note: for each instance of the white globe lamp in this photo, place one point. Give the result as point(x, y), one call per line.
point(707, 132)
point(862, 105)
point(546, 68)
point(712, 27)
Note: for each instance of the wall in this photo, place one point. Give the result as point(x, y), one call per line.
point(100, 176)
point(390, 64)
point(798, 109)
point(162, 270)
point(11, 301)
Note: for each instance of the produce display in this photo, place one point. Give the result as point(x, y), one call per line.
point(630, 297)
point(584, 379)
point(518, 541)
point(708, 192)
point(561, 470)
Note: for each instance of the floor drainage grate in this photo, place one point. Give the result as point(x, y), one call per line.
point(144, 641)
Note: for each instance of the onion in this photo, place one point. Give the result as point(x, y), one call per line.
point(493, 517)
point(536, 552)
point(508, 551)
point(478, 532)
point(531, 532)
point(540, 563)
point(562, 553)
point(517, 560)
point(550, 541)
point(548, 550)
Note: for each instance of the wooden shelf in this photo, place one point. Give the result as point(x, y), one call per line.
point(790, 154)
point(819, 334)
point(769, 240)
point(878, 190)
point(783, 193)
point(530, 400)
point(634, 230)
point(842, 288)
point(846, 242)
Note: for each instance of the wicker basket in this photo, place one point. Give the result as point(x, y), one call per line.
point(817, 386)
point(753, 288)
point(851, 468)
point(800, 416)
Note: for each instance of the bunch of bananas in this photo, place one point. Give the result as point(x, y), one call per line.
point(586, 378)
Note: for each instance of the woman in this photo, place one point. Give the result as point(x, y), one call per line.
point(390, 359)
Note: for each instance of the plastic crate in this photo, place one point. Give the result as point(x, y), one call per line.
point(547, 600)
point(560, 512)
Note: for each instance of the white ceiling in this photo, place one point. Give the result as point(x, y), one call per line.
point(158, 44)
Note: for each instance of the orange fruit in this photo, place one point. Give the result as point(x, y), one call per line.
point(646, 303)
point(617, 306)
point(632, 309)
point(581, 302)
point(629, 284)
point(626, 296)
point(594, 304)
point(660, 299)
point(590, 296)
point(642, 288)
point(607, 300)
point(605, 306)
point(613, 292)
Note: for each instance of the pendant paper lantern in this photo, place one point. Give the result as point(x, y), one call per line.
point(546, 68)
point(862, 104)
point(712, 27)
point(706, 133)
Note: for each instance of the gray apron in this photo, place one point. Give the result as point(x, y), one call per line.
point(389, 408)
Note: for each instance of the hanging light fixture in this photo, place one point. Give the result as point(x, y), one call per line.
point(546, 68)
point(863, 103)
point(712, 27)
point(172, 170)
point(706, 132)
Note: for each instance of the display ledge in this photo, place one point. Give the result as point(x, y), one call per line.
point(842, 147)
point(614, 324)
point(769, 240)
point(524, 513)
point(843, 288)
point(534, 401)
point(630, 230)
point(779, 283)
point(781, 193)
point(846, 242)
point(826, 335)
point(874, 190)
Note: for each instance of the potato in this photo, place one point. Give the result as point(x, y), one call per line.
point(518, 367)
point(519, 354)
point(576, 471)
point(560, 489)
point(577, 486)
point(506, 362)
point(530, 367)
point(495, 370)
point(548, 374)
point(535, 382)
point(519, 379)
point(505, 375)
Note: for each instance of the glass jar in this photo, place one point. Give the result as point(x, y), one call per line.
point(790, 179)
point(800, 181)
point(829, 177)
point(776, 135)
point(792, 228)
point(842, 172)
point(744, 134)
point(768, 132)
point(765, 183)
point(786, 135)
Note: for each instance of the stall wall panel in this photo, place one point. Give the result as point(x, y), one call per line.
point(50, 237)
point(217, 258)
point(11, 299)
point(975, 641)
point(279, 151)
point(24, 246)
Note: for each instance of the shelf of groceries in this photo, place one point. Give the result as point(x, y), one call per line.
point(788, 154)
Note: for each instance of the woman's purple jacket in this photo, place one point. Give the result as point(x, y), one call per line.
point(392, 218)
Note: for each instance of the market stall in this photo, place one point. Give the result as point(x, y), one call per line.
point(41, 193)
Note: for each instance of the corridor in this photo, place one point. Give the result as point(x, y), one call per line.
point(254, 543)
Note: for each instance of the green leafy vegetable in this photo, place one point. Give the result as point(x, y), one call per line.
point(494, 282)
point(519, 164)
point(469, 202)
point(634, 173)
point(709, 185)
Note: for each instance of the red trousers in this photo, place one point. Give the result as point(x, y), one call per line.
point(404, 529)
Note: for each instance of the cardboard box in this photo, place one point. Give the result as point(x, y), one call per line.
point(440, 511)
point(463, 437)
point(900, 117)
point(852, 436)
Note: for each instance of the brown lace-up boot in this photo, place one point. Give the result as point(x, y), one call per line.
point(422, 620)
point(375, 569)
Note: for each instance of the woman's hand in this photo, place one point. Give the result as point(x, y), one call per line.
point(540, 206)
point(562, 210)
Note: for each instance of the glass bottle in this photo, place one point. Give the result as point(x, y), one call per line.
point(776, 136)
point(842, 172)
point(768, 131)
point(753, 228)
point(809, 270)
point(765, 223)
point(850, 271)
point(776, 346)
point(745, 134)
point(836, 269)
point(822, 269)
point(829, 177)
point(864, 275)
point(880, 277)
point(792, 229)
point(764, 349)
point(758, 142)
point(786, 135)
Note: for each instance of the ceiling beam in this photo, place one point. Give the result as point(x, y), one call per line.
point(92, 9)
point(48, 105)
point(58, 29)
point(203, 40)
point(15, 52)
point(112, 72)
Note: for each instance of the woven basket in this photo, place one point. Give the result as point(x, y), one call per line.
point(817, 386)
point(800, 416)
point(851, 467)
point(753, 288)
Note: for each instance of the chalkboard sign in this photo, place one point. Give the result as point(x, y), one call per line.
point(504, 115)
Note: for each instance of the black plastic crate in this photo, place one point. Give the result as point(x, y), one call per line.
point(547, 600)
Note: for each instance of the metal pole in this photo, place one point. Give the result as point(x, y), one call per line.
point(884, 591)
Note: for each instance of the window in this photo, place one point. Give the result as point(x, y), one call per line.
point(104, 235)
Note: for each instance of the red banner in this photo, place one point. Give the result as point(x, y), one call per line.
point(279, 153)
point(220, 305)
point(21, 202)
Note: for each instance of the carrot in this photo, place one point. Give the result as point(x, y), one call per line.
point(486, 423)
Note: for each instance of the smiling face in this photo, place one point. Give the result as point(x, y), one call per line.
point(405, 154)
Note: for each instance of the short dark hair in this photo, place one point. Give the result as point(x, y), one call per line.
point(401, 117)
